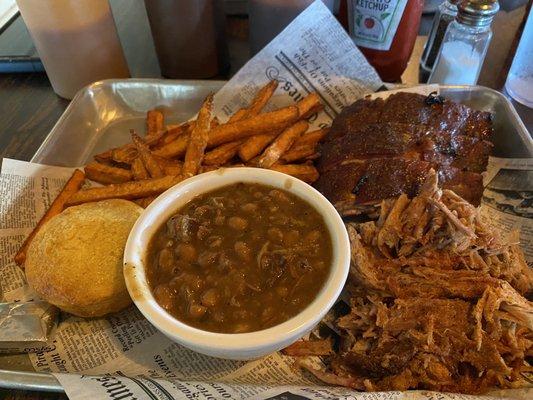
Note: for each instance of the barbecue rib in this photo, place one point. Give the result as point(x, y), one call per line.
point(377, 149)
point(438, 301)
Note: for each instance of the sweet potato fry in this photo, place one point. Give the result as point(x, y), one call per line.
point(199, 137)
point(222, 154)
point(281, 144)
point(138, 170)
point(254, 146)
point(299, 153)
point(238, 115)
point(129, 190)
point(151, 140)
point(176, 148)
point(254, 162)
point(106, 174)
point(147, 157)
point(174, 169)
point(125, 154)
point(303, 348)
point(258, 103)
point(259, 124)
point(214, 123)
point(169, 167)
point(72, 186)
point(172, 133)
point(207, 168)
point(309, 105)
point(104, 157)
point(311, 138)
point(154, 122)
point(262, 97)
point(306, 173)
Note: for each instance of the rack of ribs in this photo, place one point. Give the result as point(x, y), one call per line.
point(378, 149)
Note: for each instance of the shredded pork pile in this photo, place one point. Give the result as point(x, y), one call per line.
point(438, 301)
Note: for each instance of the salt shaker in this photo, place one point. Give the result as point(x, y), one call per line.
point(445, 14)
point(465, 44)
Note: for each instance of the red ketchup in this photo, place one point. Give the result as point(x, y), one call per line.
point(385, 31)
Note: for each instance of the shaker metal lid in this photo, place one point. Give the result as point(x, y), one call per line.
point(477, 12)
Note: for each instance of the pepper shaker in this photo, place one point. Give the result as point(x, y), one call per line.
point(445, 14)
point(465, 44)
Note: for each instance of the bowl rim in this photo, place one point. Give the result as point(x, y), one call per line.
point(172, 200)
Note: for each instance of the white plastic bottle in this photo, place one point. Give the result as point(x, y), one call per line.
point(77, 42)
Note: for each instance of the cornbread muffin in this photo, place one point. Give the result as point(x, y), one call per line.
point(75, 260)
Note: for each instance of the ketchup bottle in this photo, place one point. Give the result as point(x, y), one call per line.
point(385, 31)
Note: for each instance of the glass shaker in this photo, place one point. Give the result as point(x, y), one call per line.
point(465, 44)
point(519, 83)
point(445, 14)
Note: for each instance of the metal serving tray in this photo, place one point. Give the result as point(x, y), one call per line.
point(100, 116)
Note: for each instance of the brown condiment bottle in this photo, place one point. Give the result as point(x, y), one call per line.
point(189, 37)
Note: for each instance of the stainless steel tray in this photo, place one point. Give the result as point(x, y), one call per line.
point(511, 137)
point(100, 116)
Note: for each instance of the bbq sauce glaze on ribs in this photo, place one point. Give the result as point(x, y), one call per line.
point(378, 149)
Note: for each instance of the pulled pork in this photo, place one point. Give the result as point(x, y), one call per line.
point(438, 301)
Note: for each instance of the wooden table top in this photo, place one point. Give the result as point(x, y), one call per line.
point(29, 108)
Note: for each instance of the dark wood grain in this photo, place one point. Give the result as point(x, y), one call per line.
point(27, 395)
point(29, 108)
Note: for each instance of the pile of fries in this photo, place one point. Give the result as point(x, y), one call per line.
point(144, 168)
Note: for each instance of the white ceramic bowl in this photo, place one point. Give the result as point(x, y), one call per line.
point(239, 346)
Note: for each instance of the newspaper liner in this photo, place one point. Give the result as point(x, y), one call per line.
point(91, 358)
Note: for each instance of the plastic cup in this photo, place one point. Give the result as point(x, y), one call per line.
point(519, 84)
